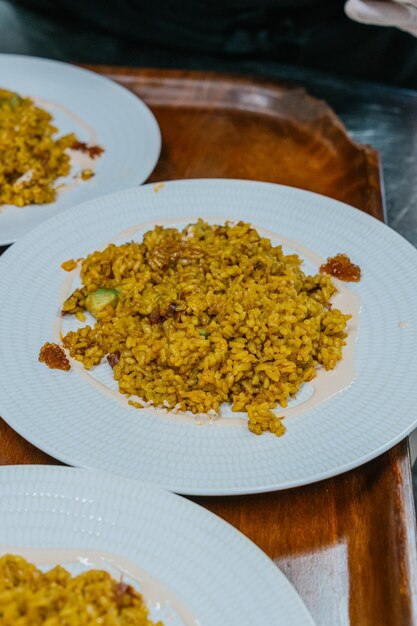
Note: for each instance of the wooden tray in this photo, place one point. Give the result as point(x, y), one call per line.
point(347, 544)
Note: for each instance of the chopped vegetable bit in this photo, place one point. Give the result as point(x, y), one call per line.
point(98, 301)
point(69, 265)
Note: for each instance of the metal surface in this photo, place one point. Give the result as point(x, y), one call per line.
point(385, 118)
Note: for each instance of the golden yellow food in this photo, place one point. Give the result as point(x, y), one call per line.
point(29, 597)
point(209, 315)
point(31, 158)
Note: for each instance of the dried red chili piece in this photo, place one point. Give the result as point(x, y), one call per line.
point(54, 357)
point(341, 267)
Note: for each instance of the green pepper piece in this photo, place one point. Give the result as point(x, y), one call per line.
point(98, 300)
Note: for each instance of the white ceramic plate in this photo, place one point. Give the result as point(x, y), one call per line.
point(193, 568)
point(63, 414)
point(100, 112)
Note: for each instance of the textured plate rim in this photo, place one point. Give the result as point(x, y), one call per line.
point(139, 490)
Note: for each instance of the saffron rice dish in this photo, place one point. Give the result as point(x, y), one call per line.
point(29, 597)
point(32, 158)
point(192, 319)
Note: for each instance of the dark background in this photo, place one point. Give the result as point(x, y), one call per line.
point(235, 35)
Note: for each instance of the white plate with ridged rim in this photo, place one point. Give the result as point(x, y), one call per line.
point(192, 568)
point(63, 414)
point(100, 112)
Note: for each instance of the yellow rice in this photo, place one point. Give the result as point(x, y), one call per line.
point(206, 316)
point(31, 159)
point(29, 597)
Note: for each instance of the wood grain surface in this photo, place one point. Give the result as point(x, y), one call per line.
point(348, 544)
